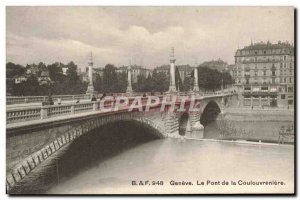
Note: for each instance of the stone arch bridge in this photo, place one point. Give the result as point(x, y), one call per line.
point(36, 133)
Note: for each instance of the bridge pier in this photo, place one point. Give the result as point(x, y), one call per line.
point(196, 132)
point(196, 128)
point(172, 125)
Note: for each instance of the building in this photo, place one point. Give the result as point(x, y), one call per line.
point(136, 71)
point(32, 69)
point(20, 79)
point(64, 70)
point(163, 69)
point(264, 74)
point(184, 70)
point(98, 71)
point(83, 75)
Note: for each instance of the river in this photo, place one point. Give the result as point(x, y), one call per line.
point(110, 163)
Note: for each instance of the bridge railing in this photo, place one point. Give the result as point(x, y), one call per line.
point(36, 99)
point(44, 112)
point(25, 114)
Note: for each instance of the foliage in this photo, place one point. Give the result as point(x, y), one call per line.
point(160, 82)
point(13, 70)
point(58, 83)
point(110, 82)
point(211, 79)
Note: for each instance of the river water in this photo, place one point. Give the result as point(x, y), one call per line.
point(110, 163)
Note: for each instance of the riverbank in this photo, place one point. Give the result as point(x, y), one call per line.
point(258, 125)
point(267, 114)
point(241, 142)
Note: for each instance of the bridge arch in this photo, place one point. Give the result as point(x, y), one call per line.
point(27, 165)
point(209, 112)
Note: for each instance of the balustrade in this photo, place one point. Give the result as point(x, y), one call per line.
point(35, 99)
point(27, 114)
point(84, 107)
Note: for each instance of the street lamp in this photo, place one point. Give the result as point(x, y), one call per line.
point(222, 86)
point(50, 84)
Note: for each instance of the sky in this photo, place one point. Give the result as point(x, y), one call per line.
point(140, 35)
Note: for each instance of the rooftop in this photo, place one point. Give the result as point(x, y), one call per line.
point(268, 45)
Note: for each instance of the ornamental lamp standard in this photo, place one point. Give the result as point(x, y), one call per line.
point(222, 86)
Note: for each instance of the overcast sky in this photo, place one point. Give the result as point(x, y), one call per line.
point(143, 34)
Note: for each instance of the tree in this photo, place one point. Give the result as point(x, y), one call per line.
point(227, 79)
point(187, 84)
point(41, 67)
point(209, 79)
point(55, 72)
point(149, 84)
point(98, 83)
point(109, 78)
point(13, 70)
point(72, 76)
point(29, 87)
point(141, 85)
point(121, 82)
point(160, 81)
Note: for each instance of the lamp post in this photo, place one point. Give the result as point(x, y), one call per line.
point(196, 85)
point(49, 85)
point(129, 85)
point(172, 87)
point(90, 89)
point(222, 86)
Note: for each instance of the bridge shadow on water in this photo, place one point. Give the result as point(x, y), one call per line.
point(84, 153)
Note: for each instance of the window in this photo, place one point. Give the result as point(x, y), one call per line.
point(265, 73)
point(291, 80)
point(280, 65)
point(247, 81)
point(273, 80)
point(290, 89)
point(273, 73)
point(264, 52)
point(283, 96)
point(284, 58)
